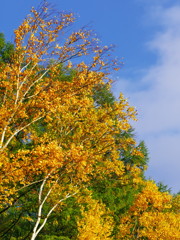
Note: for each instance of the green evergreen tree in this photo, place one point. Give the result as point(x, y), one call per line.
point(6, 50)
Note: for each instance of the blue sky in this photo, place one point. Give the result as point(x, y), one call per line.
point(147, 35)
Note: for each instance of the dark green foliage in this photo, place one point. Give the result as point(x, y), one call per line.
point(16, 222)
point(63, 73)
point(6, 50)
point(117, 197)
point(62, 224)
point(163, 188)
point(103, 96)
point(139, 161)
point(52, 237)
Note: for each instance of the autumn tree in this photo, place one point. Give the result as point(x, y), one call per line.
point(54, 139)
point(68, 152)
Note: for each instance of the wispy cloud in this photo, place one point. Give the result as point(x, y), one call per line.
point(157, 97)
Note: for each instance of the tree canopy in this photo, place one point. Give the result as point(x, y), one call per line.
point(70, 167)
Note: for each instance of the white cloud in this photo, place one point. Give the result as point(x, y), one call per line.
point(157, 98)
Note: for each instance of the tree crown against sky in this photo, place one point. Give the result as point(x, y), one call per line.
point(65, 140)
point(149, 42)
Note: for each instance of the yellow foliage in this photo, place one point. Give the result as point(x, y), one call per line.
point(77, 140)
point(95, 223)
point(151, 216)
point(52, 134)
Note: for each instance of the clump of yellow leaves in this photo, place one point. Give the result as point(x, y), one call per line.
point(95, 222)
point(151, 216)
